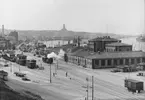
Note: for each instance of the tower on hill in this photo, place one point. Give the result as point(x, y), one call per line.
point(64, 28)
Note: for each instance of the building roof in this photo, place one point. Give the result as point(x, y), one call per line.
point(118, 44)
point(108, 55)
point(105, 38)
point(124, 54)
point(3, 72)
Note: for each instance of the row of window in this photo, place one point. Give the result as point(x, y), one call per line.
point(118, 61)
point(80, 60)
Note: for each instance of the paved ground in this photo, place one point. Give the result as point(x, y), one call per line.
point(107, 85)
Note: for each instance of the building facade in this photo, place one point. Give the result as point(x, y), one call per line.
point(118, 47)
point(107, 53)
point(99, 43)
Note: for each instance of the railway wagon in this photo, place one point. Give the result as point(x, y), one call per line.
point(22, 62)
point(134, 85)
point(47, 60)
point(31, 64)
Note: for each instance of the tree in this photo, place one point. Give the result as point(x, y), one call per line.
point(65, 57)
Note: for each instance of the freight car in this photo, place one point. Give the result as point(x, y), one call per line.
point(21, 59)
point(31, 64)
point(133, 85)
point(47, 60)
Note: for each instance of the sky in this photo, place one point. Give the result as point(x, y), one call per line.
point(112, 16)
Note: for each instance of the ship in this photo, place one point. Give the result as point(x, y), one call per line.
point(141, 38)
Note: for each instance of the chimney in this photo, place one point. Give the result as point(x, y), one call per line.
point(2, 30)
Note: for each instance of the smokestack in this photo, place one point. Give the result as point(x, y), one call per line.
point(2, 30)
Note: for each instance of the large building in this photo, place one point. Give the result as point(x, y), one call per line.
point(99, 43)
point(111, 53)
point(118, 46)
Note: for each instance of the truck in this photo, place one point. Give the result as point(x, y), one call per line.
point(134, 85)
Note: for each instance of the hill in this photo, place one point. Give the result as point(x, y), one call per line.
point(46, 34)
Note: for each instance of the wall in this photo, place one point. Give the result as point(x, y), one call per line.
point(115, 62)
point(80, 61)
point(124, 48)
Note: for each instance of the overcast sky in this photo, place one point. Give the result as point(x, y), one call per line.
point(115, 16)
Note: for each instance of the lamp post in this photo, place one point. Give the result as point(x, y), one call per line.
point(92, 87)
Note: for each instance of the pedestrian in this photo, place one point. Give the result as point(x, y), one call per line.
point(66, 74)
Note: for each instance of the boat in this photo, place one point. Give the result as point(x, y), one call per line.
point(141, 38)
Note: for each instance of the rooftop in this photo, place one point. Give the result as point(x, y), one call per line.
point(117, 44)
point(105, 38)
point(108, 55)
point(125, 54)
point(3, 72)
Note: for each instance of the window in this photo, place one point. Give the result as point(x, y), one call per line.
point(143, 59)
point(132, 61)
point(118, 61)
point(96, 62)
point(102, 62)
point(138, 60)
point(109, 62)
point(115, 61)
point(126, 61)
point(121, 61)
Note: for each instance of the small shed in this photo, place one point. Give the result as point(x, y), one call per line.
point(3, 75)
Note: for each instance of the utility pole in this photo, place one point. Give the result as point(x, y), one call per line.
point(11, 67)
point(92, 87)
point(50, 73)
point(57, 63)
point(56, 68)
point(87, 88)
point(19, 68)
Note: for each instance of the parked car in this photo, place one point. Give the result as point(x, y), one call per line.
point(19, 74)
point(25, 78)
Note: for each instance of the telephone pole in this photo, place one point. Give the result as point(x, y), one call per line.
point(50, 73)
point(87, 88)
point(92, 87)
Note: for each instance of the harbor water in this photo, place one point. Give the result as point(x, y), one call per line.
point(136, 44)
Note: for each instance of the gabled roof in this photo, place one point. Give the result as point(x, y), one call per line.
point(105, 38)
point(123, 54)
point(108, 55)
point(2, 72)
point(118, 44)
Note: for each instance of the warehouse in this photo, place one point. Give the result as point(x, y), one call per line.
point(106, 59)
